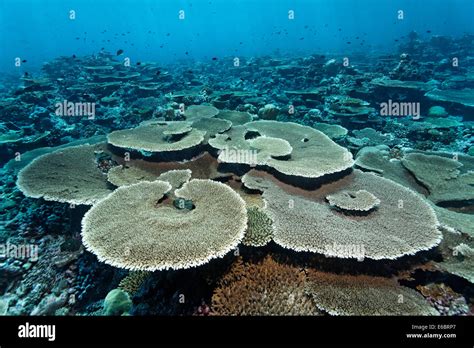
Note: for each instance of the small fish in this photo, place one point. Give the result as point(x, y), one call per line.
point(73, 56)
point(348, 42)
point(168, 34)
point(24, 61)
point(139, 63)
point(158, 72)
point(428, 31)
point(301, 38)
point(78, 38)
point(396, 40)
point(214, 58)
point(186, 53)
point(339, 29)
point(26, 74)
point(119, 52)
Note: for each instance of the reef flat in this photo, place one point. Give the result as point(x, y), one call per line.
point(288, 185)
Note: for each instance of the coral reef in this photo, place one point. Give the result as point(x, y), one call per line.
point(265, 288)
point(193, 165)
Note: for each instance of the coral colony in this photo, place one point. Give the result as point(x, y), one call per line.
point(286, 184)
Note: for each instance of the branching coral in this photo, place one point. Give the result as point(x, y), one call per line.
point(259, 228)
point(265, 288)
point(133, 281)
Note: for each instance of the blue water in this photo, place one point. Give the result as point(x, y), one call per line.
point(38, 30)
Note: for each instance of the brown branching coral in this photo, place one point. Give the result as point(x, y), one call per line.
point(133, 281)
point(265, 288)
